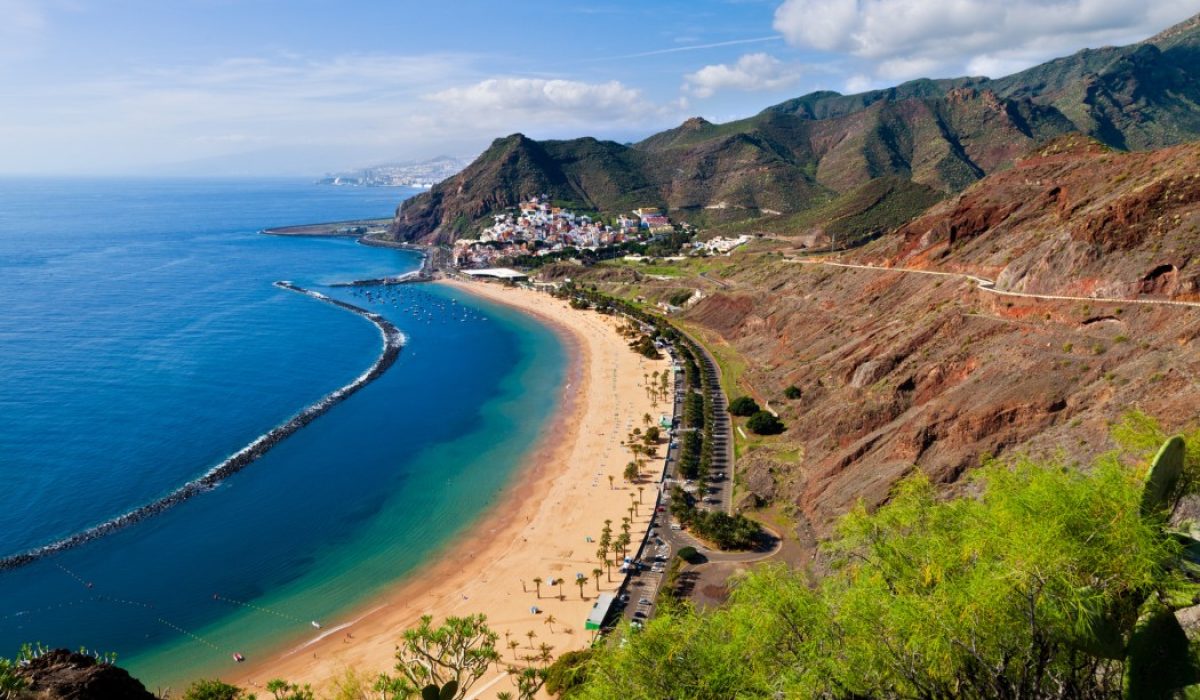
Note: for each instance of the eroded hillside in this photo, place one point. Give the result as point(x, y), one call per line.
point(901, 370)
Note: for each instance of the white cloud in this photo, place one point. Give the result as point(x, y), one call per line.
point(346, 109)
point(903, 39)
point(753, 72)
point(553, 98)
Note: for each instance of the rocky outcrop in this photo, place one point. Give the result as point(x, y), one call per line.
point(65, 675)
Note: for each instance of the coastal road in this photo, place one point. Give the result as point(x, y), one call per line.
point(720, 495)
point(989, 286)
point(661, 541)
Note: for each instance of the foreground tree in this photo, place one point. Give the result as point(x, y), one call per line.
point(454, 655)
point(1055, 581)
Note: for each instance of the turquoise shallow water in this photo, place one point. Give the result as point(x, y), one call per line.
point(141, 342)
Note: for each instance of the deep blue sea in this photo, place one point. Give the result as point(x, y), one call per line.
point(141, 343)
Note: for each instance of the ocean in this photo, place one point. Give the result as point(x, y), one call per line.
point(142, 342)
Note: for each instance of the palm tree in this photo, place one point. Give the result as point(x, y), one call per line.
point(513, 644)
point(581, 582)
point(646, 418)
point(537, 581)
point(560, 593)
point(596, 575)
point(610, 482)
point(545, 649)
point(549, 621)
point(602, 553)
point(640, 490)
point(531, 634)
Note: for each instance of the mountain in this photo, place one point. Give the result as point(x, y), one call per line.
point(900, 370)
point(808, 152)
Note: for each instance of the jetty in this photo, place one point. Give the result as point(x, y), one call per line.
point(393, 342)
point(354, 228)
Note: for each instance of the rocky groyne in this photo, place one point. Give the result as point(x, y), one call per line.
point(393, 341)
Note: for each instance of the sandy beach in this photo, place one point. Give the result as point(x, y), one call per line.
point(540, 528)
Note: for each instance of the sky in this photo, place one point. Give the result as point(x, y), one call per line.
point(275, 87)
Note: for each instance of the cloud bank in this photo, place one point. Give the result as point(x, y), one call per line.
point(895, 40)
point(752, 72)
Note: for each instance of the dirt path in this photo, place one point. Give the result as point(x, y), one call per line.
point(990, 285)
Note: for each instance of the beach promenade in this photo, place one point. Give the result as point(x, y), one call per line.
point(545, 524)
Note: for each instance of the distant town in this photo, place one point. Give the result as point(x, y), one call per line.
point(423, 174)
point(537, 230)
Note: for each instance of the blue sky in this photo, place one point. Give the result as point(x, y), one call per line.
point(304, 87)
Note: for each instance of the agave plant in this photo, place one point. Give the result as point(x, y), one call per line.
point(1144, 631)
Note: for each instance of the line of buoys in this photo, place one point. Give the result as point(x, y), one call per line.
point(72, 574)
point(44, 608)
point(193, 635)
point(261, 609)
point(122, 601)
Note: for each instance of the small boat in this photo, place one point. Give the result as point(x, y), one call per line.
point(315, 624)
point(238, 657)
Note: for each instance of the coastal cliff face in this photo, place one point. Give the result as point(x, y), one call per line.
point(64, 675)
point(901, 371)
point(805, 153)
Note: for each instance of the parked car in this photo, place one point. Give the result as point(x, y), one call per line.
point(645, 601)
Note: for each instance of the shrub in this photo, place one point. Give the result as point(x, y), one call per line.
point(765, 423)
point(568, 672)
point(743, 406)
point(689, 554)
point(211, 689)
point(792, 392)
point(680, 298)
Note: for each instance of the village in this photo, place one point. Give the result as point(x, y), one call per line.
point(537, 228)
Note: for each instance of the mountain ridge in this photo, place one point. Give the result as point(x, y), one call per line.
point(803, 153)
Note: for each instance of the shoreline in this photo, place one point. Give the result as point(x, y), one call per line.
point(393, 342)
point(538, 525)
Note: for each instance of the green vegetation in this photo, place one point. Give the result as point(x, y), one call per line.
point(680, 298)
point(568, 674)
point(11, 684)
point(210, 689)
point(765, 423)
point(282, 690)
point(459, 651)
point(724, 530)
point(1018, 592)
point(792, 393)
point(853, 217)
point(743, 406)
point(688, 554)
point(644, 346)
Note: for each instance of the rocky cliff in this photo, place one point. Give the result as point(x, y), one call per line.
point(64, 675)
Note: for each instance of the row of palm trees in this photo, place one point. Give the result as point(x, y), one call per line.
point(658, 386)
